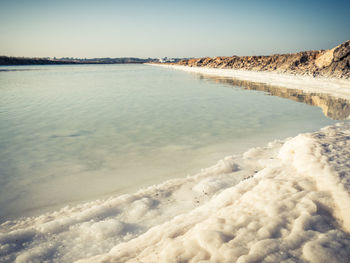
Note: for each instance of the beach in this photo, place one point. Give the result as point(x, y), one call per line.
point(288, 201)
point(294, 207)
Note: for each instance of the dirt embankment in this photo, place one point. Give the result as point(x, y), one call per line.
point(326, 63)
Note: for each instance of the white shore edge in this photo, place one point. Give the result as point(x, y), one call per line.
point(333, 86)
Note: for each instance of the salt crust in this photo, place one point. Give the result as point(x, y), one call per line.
point(287, 202)
point(333, 86)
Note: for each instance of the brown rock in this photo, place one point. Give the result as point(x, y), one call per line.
point(320, 63)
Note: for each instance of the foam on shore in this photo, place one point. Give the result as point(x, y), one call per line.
point(287, 202)
point(336, 87)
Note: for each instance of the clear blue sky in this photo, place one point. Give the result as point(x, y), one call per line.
point(177, 28)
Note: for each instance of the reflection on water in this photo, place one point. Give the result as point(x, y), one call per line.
point(13, 70)
point(332, 107)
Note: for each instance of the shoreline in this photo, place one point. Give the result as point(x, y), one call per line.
point(336, 87)
point(296, 206)
point(22, 61)
point(298, 187)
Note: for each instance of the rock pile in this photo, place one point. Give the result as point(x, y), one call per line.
point(326, 63)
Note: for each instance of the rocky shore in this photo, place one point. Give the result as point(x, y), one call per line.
point(334, 63)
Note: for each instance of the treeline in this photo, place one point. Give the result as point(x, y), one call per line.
point(5, 60)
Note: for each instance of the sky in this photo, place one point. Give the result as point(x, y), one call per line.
point(177, 28)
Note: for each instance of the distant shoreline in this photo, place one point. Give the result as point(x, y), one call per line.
point(19, 61)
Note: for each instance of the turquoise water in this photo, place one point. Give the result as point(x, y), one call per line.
point(73, 133)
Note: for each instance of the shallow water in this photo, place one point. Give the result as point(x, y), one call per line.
point(73, 133)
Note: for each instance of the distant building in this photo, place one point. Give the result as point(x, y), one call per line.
point(167, 60)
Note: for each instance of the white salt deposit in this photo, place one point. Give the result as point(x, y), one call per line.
point(335, 87)
point(287, 202)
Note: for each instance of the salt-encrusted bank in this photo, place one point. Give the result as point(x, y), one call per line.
point(320, 71)
point(287, 202)
point(336, 87)
point(295, 208)
point(333, 63)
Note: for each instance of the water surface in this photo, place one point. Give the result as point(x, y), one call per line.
point(72, 133)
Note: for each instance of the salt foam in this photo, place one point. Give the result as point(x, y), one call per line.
point(287, 202)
